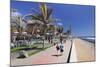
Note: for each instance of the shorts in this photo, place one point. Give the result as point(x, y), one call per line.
point(61, 50)
point(57, 48)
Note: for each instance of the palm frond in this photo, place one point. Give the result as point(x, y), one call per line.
point(35, 17)
point(49, 12)
point(43, 10)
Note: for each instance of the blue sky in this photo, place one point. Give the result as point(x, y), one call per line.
point(80, 17)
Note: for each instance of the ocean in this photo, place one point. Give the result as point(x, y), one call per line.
point(89, 38)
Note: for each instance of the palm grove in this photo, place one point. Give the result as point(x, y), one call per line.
point(39, 25)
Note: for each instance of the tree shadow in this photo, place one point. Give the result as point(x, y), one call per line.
point(21, 57)
point(34, 48)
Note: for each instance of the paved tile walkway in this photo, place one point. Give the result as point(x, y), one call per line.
point(81, 51)
point(45, 57)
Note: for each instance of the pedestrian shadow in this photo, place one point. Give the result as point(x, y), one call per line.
point(57, 55)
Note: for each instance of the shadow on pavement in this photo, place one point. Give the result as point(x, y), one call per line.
point(57, 55)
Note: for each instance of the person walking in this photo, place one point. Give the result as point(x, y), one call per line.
point(57, 48)
point(61, 48)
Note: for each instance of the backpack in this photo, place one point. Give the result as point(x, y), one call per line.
point(61, 46)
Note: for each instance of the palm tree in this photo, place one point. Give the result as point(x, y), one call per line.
point(16, 20)
point(44, 16)
point(17, 23)
point(60, 28)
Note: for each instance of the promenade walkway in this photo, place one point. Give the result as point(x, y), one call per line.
point(81, 51)
point(48, 56)
point(85, 50)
